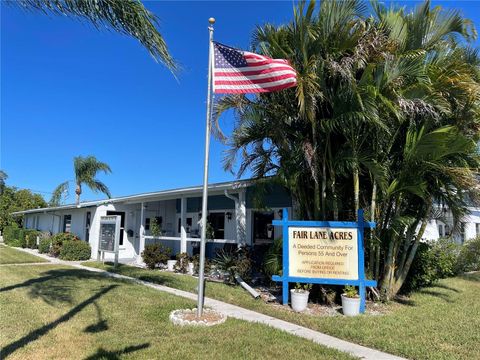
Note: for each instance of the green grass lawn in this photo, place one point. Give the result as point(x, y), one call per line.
point(10, 255)
point(440, 322)
point(58, 312)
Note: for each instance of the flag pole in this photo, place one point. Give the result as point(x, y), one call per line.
point(201, 270)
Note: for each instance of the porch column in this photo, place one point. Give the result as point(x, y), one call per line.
point(241, 218)
point(141, 233)
point(183, 226)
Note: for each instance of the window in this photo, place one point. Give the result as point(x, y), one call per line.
point(147, 223)
point(88, 219)
point(217, 220)
point(188, 225)
point(441, 230)
point(67, 223)
point(263, 232)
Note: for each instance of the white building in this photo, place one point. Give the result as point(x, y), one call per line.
point(442, 225)
point(233, 212)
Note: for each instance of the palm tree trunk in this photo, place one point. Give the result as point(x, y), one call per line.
point(335, 201)
point(389, 265)
point(78, 192)
point(356, 190)
point(317, 195)
point(324, 188)
point(372, 231)
point(406, 267)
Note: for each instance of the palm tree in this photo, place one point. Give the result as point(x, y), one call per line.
point(385, 118)
point(128, 17)
point(86, 169)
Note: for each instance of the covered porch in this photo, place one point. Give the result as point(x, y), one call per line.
point(178, 218)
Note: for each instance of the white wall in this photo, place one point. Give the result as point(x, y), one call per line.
point(129, 248)
point(469, 221)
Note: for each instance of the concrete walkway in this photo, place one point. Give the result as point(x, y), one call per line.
point(237, 312)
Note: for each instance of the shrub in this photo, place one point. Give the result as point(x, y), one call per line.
point(21, 237)
point(44, 245)
point(272, 263)
point(196, 265)
point(58, 240)
point(469, 258)
point(8, 233)
point(16, 237)
point(155, 254)
point(31, 238)
point(433, 261)
point(182, 263)
point(75, 250)
point(16, 243)
point(237, 262)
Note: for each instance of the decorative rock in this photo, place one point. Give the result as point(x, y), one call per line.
point(186, 317)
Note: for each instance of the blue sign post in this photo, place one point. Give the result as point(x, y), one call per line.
point(359, 281)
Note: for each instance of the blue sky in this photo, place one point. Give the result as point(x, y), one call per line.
point(68, 89)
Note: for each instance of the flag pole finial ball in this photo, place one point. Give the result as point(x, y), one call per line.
point(211, 20)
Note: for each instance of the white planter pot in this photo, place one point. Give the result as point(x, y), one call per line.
point(191, 268)
point(350, 306)
point(171, 265)
point(299, 300)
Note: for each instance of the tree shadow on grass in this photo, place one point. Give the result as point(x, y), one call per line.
point(404, 300)
point(37, 333)
point(103, 354)
point(100, 325)
point(437, 294)
point(55, 286)
point(154, 276)
point(473, 276)
point(443, 286)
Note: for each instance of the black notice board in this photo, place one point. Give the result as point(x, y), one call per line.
point(107, 237)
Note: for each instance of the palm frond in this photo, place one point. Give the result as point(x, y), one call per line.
point(59, 193)
point(128, 17)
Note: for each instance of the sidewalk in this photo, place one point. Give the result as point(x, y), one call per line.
point(244, 314)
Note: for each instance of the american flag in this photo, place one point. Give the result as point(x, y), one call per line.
point(240, 72)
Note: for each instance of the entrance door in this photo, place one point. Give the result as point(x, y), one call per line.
point(122, 222)
point(262, 235)
point(262, 227)
point(217, 220)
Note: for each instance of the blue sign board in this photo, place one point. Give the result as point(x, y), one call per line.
point(314, 244)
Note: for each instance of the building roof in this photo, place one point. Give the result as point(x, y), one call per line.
point(229, 185)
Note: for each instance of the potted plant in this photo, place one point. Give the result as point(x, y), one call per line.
point(183, 261)
point(191, 268)
point(171, 264)
point(350, 301)
point(300, 296)
point(155, 228)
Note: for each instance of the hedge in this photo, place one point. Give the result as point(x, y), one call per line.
point(58, 240)
point(44, 246)
point(9, 233)
point(15, 236)
point(30, 237)
point(469, 259)
point(75, 250)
